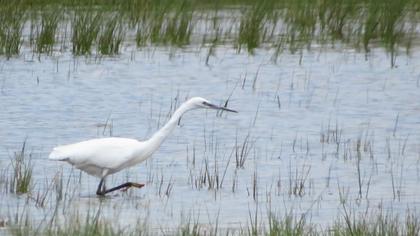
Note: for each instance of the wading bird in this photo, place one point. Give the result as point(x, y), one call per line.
point(105, 156)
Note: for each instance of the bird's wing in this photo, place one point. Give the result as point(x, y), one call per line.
point(106, 153)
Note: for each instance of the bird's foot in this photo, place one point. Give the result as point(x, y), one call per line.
point(136, 185)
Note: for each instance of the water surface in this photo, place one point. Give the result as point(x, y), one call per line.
point(304, 116)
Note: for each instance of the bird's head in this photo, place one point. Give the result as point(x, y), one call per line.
point(198, 102)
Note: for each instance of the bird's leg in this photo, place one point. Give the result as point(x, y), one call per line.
point(104, 185)
point(125, 185)
point(100, 191)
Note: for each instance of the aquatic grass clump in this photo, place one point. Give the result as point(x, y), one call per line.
point(252, 24)
point(21, 224)
point(141, 35)
point(301, 20)
point(20, 180)
point(289, 225)
point(392, 25)
point(150, 20)
point(168, 23)
point(47, 30)
point(12, 20)
point(86, 27)
point(388, 23)
point(179, 28)
point(172, 27)
point(242, 150)
point(111, 37)
point(191, 229)
point(89, 225)
point(337, 19)
point(381, 223)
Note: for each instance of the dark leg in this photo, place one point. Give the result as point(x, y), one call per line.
point(125, 185)
point(102, 192)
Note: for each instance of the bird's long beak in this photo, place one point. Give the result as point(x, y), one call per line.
point(212, 106)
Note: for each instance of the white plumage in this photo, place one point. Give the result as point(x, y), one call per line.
point(110, 155)
point(105, 156)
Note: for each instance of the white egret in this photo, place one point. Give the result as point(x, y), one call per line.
point(105, 156)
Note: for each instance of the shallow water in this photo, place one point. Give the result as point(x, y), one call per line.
point(286, 108)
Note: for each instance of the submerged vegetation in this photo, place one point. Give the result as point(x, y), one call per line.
point(246, 25)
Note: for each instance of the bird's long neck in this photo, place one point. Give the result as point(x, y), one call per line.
point(156, 140)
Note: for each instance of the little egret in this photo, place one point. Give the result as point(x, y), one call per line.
point(105, 156)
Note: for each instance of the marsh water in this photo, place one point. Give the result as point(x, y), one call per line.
point(321, 133)
point(301, 121)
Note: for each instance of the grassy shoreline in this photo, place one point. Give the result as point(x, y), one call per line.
point(91, 221)
point(103, 27)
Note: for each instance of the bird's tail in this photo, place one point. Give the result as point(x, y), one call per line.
point(57, 155)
